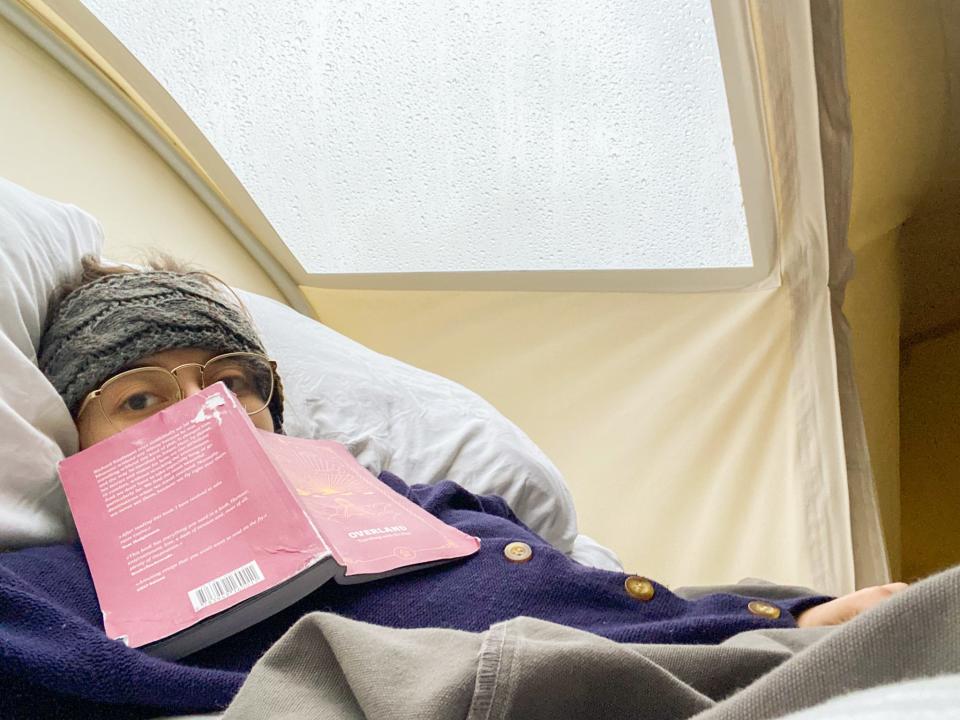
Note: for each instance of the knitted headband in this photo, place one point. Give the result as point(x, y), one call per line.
point(102, 327)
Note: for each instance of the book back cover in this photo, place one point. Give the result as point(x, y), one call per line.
point(182, 516)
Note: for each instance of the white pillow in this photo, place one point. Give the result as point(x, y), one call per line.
point(419, 426)
point(41, 243)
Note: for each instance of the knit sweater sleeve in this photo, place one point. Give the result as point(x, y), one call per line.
point(456, 497)
point(554, 587)
point(793, 598)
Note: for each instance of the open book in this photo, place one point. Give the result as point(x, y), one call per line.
point(196, 524)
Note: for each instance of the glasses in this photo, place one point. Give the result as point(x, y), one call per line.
point(135, 395)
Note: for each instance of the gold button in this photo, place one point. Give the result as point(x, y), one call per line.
point(639, 588)
point(764, 609)
point(518, 552)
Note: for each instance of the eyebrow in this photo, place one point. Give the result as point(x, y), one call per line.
point(132, 366)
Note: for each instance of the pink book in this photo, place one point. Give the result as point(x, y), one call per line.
point(196, 524)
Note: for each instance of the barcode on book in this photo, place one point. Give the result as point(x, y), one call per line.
point(225, 586)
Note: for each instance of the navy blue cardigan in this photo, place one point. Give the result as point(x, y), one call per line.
point(55, 660)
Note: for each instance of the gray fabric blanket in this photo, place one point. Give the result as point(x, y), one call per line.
point(330, 667)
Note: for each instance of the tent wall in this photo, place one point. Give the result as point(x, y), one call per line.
point(897, 79)
point(668, 414)
point(61, 141)
point(930, 255)
point(930, 382)
point(873, 309)
point(930, 428)
point(904, 71)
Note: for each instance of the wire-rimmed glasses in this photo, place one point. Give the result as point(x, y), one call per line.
point(134, 395)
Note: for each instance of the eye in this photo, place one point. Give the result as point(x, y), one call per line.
point(237, 383)
point(138, 402)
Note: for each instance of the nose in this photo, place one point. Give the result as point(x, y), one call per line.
point(189, 379)
point(189, 386)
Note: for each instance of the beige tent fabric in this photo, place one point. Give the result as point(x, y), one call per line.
point(871, 566)
point(784, 37)
point(821, 254)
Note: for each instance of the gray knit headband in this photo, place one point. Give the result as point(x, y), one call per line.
point(102, 327)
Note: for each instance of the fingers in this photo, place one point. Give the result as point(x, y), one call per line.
point(849, 606)
point(868, 597)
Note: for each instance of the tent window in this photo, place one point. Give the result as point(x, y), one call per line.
point(463, 137)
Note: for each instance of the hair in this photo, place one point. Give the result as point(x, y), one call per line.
point(93, 269)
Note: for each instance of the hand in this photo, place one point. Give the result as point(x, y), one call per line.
point(847, 607)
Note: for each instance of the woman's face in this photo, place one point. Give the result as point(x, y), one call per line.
point(93, 426)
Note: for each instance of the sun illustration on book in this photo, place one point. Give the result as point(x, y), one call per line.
point(343, 508)
point(331, 476)
point(318, 490)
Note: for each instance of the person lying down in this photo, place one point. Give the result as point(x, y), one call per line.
point(174, 327)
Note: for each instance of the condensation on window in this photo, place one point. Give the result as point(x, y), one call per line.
point(487, 135)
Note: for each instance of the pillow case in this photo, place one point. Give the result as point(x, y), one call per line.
point(41, 243)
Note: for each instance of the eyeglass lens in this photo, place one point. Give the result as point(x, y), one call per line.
point(135, 395)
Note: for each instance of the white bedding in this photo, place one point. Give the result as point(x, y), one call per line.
point(41, 242)
point(926, 699)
